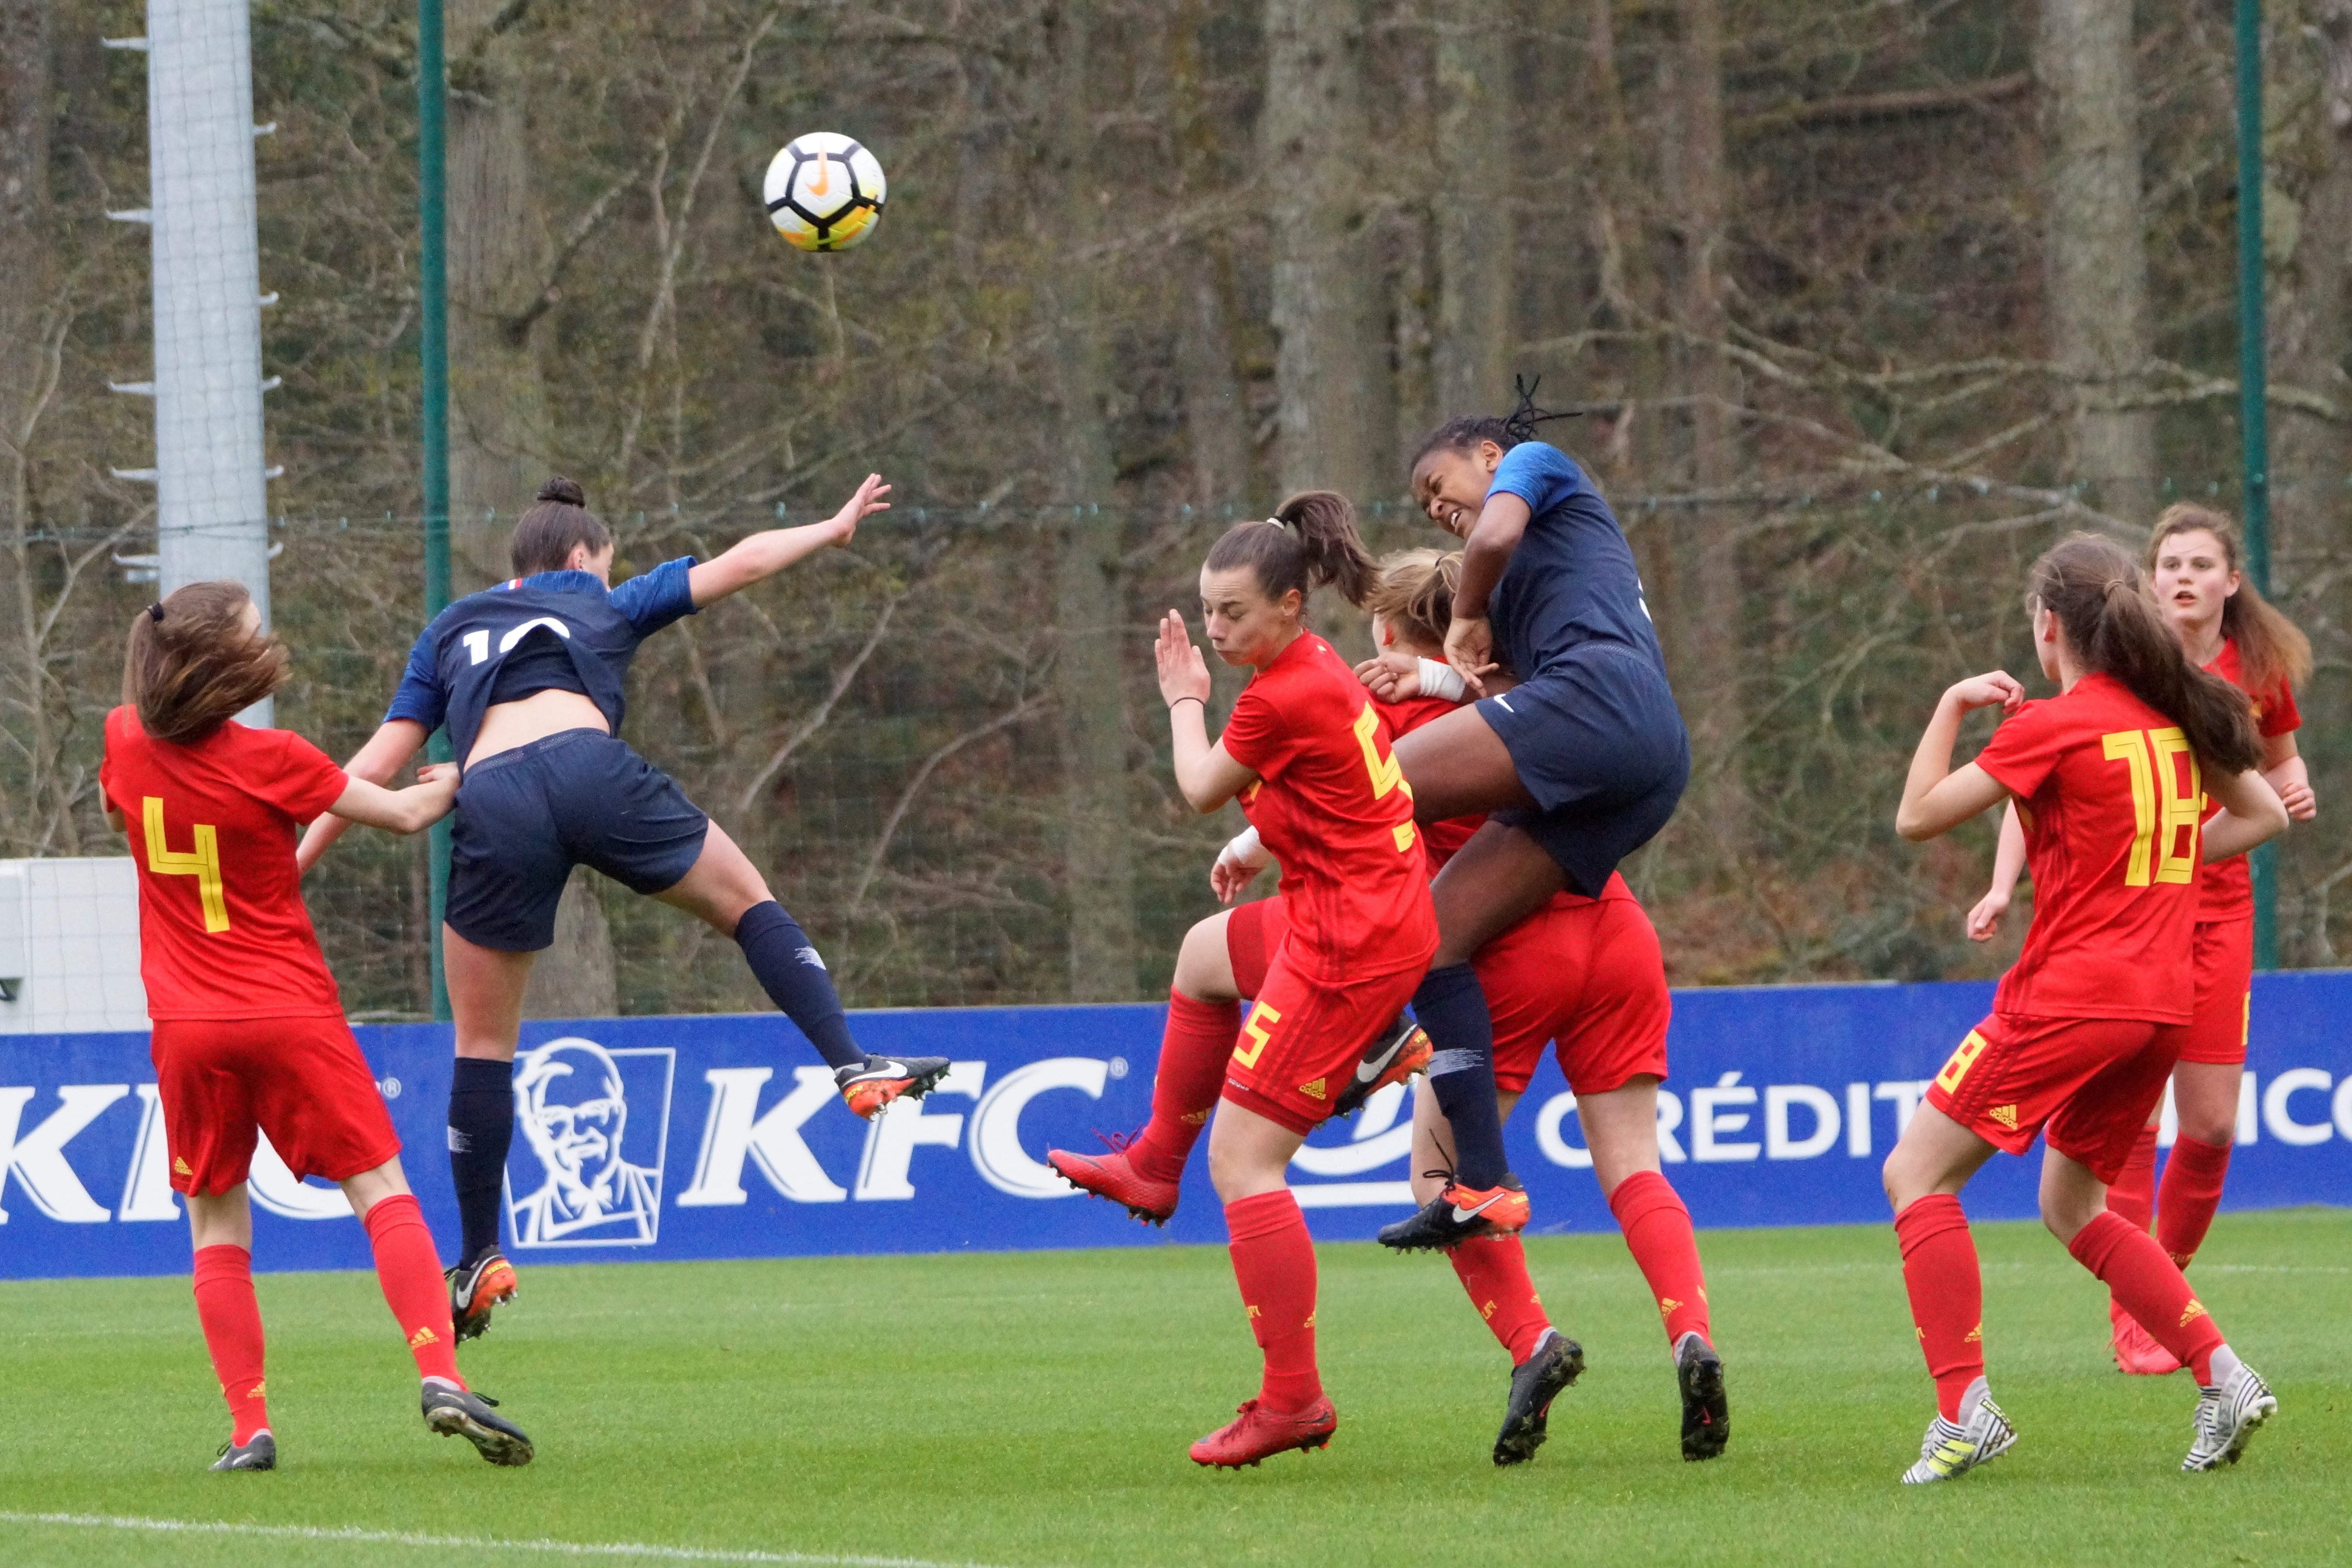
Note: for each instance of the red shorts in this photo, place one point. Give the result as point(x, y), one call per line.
point(1588, 976)
point(301, 1081)
point(2087, 1084)
point(2225, 979)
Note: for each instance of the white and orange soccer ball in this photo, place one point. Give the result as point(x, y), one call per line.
point(824, 191)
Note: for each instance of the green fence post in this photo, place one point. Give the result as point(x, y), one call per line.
point(433, 334)
point(2253, 378)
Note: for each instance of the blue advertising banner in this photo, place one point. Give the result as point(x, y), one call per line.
point(722, 1137)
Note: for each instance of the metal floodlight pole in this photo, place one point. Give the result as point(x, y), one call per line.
point(433, 285)
point(2254, 377)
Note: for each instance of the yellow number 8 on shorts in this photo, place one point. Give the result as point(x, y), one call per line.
point(1948, 1079)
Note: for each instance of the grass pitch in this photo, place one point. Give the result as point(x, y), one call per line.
point(1034, 1409)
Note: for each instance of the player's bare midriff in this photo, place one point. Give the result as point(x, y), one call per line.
point(506, 726)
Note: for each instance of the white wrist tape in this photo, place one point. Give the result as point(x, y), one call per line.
point(1245, 849)
point(1440, 679)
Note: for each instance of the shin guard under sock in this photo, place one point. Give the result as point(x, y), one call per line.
point(1194, 1047)
point(2193, 1173)
point(786, 964)
point(1494, 1271)
point(1658, 1233)
point(231, 1319)
point(409, 1271)
point(2151, 1287)
point(1274, 1264)
point(481, 1126)
point(2133, 1193)
point(1946, 1291)
point(1452, 1008)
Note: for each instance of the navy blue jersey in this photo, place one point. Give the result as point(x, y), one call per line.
point(1571, 579)
point(455, 668)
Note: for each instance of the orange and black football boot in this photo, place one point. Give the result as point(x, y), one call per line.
point(873, 1083)
point(474, 1289)
point(1459, 1214)
point(1395, 1054)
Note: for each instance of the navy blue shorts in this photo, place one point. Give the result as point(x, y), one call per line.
point(525, 817)
point(1600, 744)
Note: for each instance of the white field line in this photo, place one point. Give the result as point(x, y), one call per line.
point(354, 1535)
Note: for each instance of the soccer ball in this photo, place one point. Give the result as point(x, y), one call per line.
point(824, 191)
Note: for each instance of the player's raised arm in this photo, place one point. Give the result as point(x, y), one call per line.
point(1205, 775)
point(408, 810)
point(378, 762)
point(767, 553)
point(1936, 799)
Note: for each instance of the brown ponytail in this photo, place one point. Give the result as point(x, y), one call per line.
point(546, 535)
point(1415, 595)
point(2272, 651)
point(2114, 626)
point(189, 663)
point(1311, 540)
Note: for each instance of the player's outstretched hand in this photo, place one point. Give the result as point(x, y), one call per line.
point(858, 508)
point(1984, 920)
point(1470, 649)
point(1182, 672)
point(1391, 676)
point(1999, 688)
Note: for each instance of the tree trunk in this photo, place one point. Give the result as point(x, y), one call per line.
point(25, 286)
point(1712, 608)
point(2310, 528)
point(1216, 409)
point(1331, 375)
point(1475, 254)
point(574, 979)
point(1089, 577)
point(2097, 255)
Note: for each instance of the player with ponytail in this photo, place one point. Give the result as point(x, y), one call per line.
point(2227, 629)
point(529, 678)
point(2108, 778)
point(1577, 765)
point(1306, 754)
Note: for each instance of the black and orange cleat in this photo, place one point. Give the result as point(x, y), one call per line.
point(1460, 1214)
point(474, 1289)
point(1257, 1433)
point(1110, 1176)
point(462, 1413)
point(1555, 1363)
point(1706, 1408)
point(1395, 1054)
point(873, 1083)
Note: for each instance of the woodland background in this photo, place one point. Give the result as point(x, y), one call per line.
point(1865, 302)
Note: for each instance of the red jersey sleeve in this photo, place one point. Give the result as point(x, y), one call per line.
point(115, 721)
point(295, 776)
point(1256, 736)
point(2275, 711)
point(2025, 748)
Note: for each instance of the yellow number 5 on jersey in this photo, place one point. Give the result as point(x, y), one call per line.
point(202, 862)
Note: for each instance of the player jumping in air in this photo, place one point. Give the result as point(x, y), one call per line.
point(528, 676)
point(1308, 757)
point(249, 1030)
point(2227, 628)
point(2108, 778)
point(1582, 972)
point(1578, 764)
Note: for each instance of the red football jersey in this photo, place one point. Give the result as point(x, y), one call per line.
point(223, 933)
point(1443, 839)
point(2108, 791)
point(1333, 807)
point(2227, 890)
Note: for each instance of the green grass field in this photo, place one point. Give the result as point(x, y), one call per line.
point(1034, 1409)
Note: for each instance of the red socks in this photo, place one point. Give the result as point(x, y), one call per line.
point(1658, 1233)
point(1494, 1271)
point(2191, 1192)
point(1274, 1263)
point(2132, 1196)
point(1193, 1050)
point(2151, 1288)
point(1939, 1271)
point(409, 1271)
point(231, 1325)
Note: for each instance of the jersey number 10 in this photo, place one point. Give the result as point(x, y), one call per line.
point(2163, 803)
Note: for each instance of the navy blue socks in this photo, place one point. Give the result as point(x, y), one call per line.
point(1452, 1008)
point(481, 1125)
point(787, 966)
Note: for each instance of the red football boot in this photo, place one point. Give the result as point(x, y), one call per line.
point(1110, 1175)
point(2136, 1352)
point(1257, 1433)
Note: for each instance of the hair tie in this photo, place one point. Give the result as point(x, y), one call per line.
point(156, 610)
point(1278, 523)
